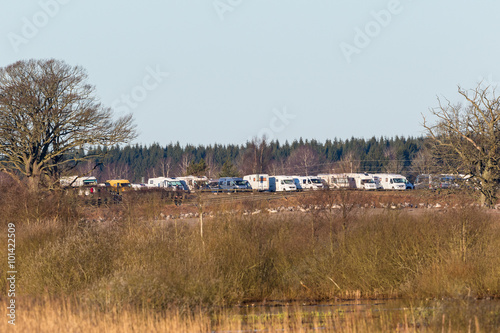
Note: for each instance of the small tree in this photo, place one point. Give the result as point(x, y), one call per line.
point(197, 169)
point(303, 160)
point(228, 170)
point(467, 138)
point(48, 116)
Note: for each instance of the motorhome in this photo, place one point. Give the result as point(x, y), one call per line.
point(258, 182)
point(362, 181)
point(156, 182)
point(194, 182)
point(338, 180)
point(281, 183)
point(442, 181)
point(390, 181)
point(165, 182)
point(76, 181)
point(307, 183)
point(234, 184)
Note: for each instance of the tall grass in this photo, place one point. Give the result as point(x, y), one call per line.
point(56, 315)
point(132, 260)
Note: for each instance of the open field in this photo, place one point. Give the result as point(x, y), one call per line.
point(137, 262)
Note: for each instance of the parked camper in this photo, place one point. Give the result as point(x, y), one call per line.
point(171, 183)
point(281, 183)
point(430, 181)
point(175, 184)
point(389, 181)
point(76, 181)
point(194, 182)
point(362, 181)
point(156, 182)
point(307, 183)
point(234, 183)
point(338, 180)
point(258, 182)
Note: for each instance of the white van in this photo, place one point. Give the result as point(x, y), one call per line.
point(76, 181)
point(281, 183)
point(338, 180)
point(156, 182)
point(308, 183)
point(390, 181)
point(194, 182)
point(165, 182)
point(259, 182)
point(363, 181)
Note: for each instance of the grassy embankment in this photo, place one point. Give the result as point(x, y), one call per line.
point(133, 263)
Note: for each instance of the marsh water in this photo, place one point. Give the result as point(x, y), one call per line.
point(468, 315)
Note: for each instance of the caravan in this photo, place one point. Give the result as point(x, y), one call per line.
point(389, 181)
point(194, 182)
point(171, 183)
point(258, 182)
point(76, 181)
point(338, 180)
point(281, 183)
point(307, 183)
point(363, 181)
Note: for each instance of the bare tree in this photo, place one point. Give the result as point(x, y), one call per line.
point(256, 157)
point(423, 163)
point(467, 138)
point(304, 160)
point(116, 171)
point(277, 167)
point(165, 166)
point(348, 163)
point(212, 168)
point(48, 116)
point(393, 165)
point(186, 159)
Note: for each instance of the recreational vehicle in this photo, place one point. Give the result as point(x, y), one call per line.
point(430, 181)
point(171, 183)
point(76, 181)
point(281, 183)
point(194, 182)
point(363, 181)
point(389, 181)
point(307, 183)
point(258, 182)
point(338, 180)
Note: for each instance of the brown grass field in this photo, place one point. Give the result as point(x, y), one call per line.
point(146, 264)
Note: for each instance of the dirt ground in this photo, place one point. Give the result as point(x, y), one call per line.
point(411, 202)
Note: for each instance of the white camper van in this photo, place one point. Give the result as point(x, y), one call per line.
point(165, 182)
point(194, 182)
point(338, 180)
point(76, 181)
point(308, 183)
point(363, 181)
point(281, 183)
point(259, 182)
point(390, 181)
point(156, 182)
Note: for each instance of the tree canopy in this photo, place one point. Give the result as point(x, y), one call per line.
point(48, 116)
point(467, 138)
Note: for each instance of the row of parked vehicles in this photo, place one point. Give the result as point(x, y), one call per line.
point(265, 182)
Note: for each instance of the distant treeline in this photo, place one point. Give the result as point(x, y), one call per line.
point(304, 157)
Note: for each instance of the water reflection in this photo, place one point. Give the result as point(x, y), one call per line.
point(464, 315)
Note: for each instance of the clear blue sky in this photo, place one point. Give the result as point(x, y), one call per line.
point(206, 71)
